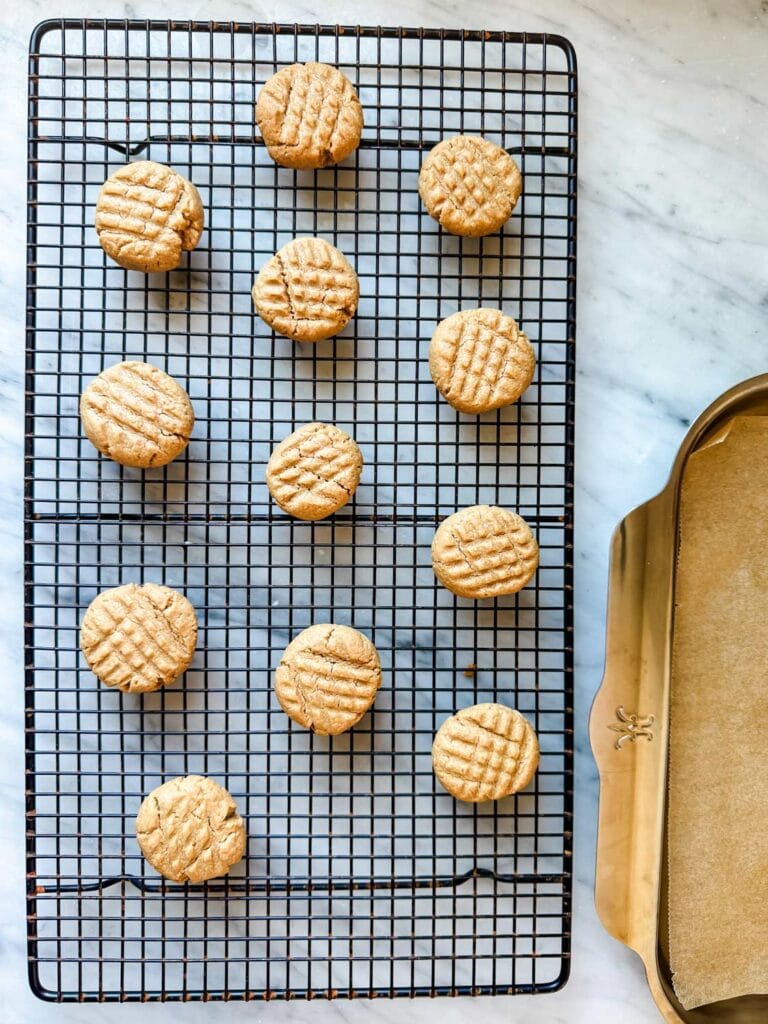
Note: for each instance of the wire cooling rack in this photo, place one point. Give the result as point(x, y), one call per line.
point(362, 876)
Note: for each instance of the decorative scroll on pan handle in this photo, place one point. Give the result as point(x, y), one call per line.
point(631, 726)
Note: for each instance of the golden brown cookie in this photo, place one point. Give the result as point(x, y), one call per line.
point(307, 290)
point(139, 638)
point(485, 752)
point(137, 415)
point(189, 829)
point(484, 551)
point(480, 360)
point(314, 471)
point(327, 678)
point(469, 185)
point(309, 116)
point(147, 214)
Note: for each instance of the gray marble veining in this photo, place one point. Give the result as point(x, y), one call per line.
point(673, 308)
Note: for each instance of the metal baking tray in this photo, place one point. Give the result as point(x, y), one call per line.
point(629, 726)
point(362, 877)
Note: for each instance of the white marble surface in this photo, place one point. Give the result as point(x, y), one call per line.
point(673, 308)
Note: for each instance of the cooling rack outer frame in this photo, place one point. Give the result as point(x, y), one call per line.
point(33, 890)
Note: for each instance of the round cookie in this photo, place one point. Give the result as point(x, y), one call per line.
point(485, 752)
point(137, 415)
point(469, 185)
point(480, 360)
point(306, 291)
point(309, 116)
point(484, 551)
point(139, 638)
point(328, 678)
point(189, 829)
point(314, 471)
point(147, 215)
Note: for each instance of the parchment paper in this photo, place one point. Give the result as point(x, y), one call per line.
point(718, 790)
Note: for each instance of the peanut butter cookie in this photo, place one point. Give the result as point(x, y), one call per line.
point(147, 214)
point(484, 551)
point(309, 116)
point(189, 830)
point(307, 290)
point(485, 752)
point(327, 678)
point(480, 360)
point(137, 415)
point(469, 185)
point(139, 638)
point(314, 471)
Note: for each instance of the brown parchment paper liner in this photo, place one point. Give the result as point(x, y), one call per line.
point(717, 818)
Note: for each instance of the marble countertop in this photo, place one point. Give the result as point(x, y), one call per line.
point(672, 310)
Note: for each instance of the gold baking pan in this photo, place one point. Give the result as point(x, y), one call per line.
point(629, 724)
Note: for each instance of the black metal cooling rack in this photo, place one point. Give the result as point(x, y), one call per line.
point(362, 876)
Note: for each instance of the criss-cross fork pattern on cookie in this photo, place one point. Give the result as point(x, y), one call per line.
point(328, 677)
point(189, 830)
point(136, 414)
point(314, 471)
point(485, 752)
point(307, 291)
point(484, 551)
point(309, 116)
point(139, 638)
point(480, 360)
point(147, 215)
point(469, 185)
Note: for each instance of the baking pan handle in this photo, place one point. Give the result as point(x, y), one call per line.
point(628, 726)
